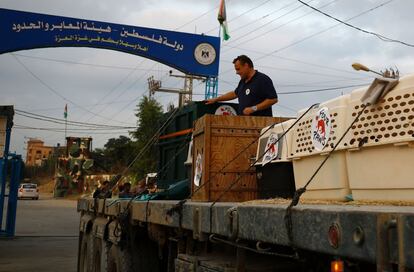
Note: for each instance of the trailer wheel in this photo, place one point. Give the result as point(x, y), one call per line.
point(119, 259)
point(84, 256)
point(99, 255)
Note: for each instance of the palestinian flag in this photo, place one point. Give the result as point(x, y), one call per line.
point(222, 18)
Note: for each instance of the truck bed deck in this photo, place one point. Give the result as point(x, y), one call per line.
point(359, 227)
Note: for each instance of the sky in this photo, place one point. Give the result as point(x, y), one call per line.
point(300, 49)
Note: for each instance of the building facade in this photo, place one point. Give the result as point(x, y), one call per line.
point(37, 152)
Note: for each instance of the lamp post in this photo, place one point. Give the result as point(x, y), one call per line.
point(358, 67)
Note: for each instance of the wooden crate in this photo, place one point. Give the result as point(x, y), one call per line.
point(217, 141)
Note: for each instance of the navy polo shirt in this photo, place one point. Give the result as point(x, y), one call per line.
point(253, 92)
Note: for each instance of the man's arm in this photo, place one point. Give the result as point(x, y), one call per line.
point(225, 97)
point(268, 102)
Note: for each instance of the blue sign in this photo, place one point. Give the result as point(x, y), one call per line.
point(190, 53)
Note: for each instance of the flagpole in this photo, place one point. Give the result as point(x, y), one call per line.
point(65, 114)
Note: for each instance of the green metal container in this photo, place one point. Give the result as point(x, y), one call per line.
point(174, 141)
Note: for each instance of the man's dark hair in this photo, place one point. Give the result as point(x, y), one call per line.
point(105, 182)
point(243, 59)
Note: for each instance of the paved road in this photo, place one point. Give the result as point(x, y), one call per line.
point(46, 237)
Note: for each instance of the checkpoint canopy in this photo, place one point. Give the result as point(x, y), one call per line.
point(189, 53)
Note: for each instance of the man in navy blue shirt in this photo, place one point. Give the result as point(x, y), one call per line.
point(255, 91)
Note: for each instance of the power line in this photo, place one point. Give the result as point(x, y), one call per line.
point(322, 90)
point(271, 21)
point(313, 35)
point(240, 15)
point(329, 28)
point(82, 63)
point(63, 131)
point(70, 129)
point(51, 89)
point(63, 121)
point(379, 36)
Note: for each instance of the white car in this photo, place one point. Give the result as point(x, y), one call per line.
point(28, 190)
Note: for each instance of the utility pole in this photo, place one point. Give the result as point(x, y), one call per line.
point(185, 95)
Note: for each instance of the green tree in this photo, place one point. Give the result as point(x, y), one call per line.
point(114, 157)
point(149, 114)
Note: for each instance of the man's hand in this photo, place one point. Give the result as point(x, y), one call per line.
point(210, 101)
point(248, 111)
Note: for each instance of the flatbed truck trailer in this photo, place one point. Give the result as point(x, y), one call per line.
point(243, 237)
point(363, 152)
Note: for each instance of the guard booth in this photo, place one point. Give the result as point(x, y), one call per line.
point(10, 169)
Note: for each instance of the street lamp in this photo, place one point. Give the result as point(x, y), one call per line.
point(388, 73)
point(358, 67)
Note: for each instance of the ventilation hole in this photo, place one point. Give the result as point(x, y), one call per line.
point(359, 126)
point(398, 112)
point(390, 99)
point(366, 111)
point(382, 128)
point(386, 135)
point(397, 126)
point(402, 104)
point(354, 114)
point(379, 136)
point(357, 107)
point(386, 121)
point(376, 130)
point(394, 105)
point(406, 125)
point(369, 117)
point(379, 108)
point(383, 114)
point(379, 122)
point(376, 140)
point(411, 102)
point(353, 127)
point(372, 137)
point(390, 113)
point(375, 116)
point(402, 133)
point(372, 123)
point(335, 114)
point(394, 134)
point(398, 97)
point(333, 121)
point(369, 131)
point(334, 126)
point(394, 119)
point(410, 117)
point(410, 132)
point(387, 107)
point(390, 128)
point(366, 125)
point(362, 132)
point(352, 142)
point(402, 118)
point(372, 110)
point(406, 95)
point(406, 110)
